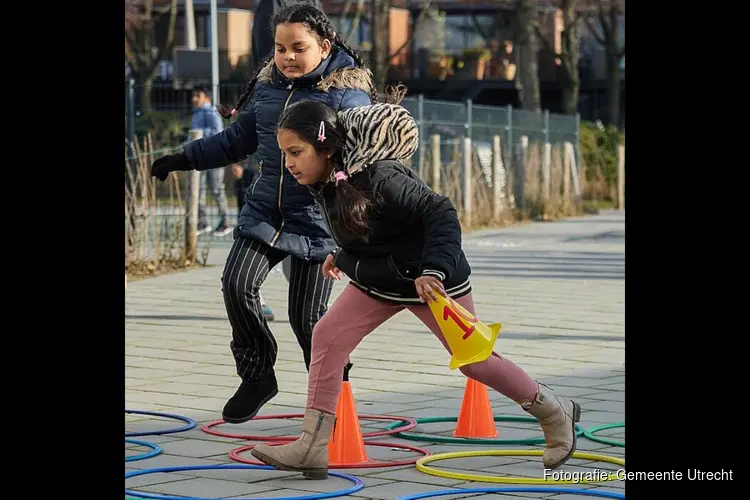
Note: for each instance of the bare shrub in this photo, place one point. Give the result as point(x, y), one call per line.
point(536, 206)
point(154, 225)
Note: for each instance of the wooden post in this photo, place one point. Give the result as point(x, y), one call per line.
point(192, 179)
point(523, 155)
point(575, 172)
point(571, 156)
point(436, 165)
point(498, 179)
point(566, 174)
point(467, 180)
point(621, 176)
point(546, 171)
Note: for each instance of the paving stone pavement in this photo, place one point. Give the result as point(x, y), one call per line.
point(558, 288)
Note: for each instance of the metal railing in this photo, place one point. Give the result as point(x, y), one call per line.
point(526, 137)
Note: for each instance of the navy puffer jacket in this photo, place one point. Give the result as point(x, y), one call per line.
point(278, 211)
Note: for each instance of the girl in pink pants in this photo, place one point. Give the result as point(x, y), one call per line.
point(399, 243)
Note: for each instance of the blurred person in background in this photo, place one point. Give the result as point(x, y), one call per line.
point(206, 119)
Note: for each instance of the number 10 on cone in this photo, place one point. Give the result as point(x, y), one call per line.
point(470, 340)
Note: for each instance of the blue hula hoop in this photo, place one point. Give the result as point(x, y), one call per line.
point(155, 450)
point(358, 484)
point(516, 489)
point(189, 423)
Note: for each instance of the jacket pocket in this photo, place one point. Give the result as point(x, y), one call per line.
point(379, 272)
point(367, 271)
point(397, 274)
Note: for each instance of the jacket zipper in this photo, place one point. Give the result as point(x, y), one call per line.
point(281, 180)
point(333, 233)
point(260, 174)
point(328, 220)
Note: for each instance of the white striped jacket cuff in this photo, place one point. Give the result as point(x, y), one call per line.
point(432, 272)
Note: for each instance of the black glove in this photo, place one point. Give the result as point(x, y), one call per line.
point(170, 163)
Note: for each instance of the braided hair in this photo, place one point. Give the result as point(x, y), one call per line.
point(319, 24)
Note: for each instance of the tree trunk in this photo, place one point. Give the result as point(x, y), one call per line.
point(570, 94)
point(141, 51)
point(528, 47)
point(380, 29)
point(613, 54)
point(613, 89)
point(571, 43)
point(145, 85)
point(610, 40)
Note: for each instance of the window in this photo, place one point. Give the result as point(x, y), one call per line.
point(460, 31)
point(343, 25)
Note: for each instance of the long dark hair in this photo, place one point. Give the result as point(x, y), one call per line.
point(319, 24)
point(352, 205)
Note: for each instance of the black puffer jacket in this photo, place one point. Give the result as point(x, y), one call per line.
point(415, 231)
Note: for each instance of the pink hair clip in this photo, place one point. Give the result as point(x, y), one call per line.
point(322, 131)
point(234, 111)
point(340, 176)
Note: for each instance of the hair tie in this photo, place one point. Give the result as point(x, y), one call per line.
point(340, 176)
point(322, 131)
point(234, 111)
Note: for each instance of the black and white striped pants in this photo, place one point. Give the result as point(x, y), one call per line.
point(253, 345)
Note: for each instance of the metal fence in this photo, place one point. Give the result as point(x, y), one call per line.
point(451, 121)
point(480, 123)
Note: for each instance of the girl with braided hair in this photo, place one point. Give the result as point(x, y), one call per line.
point(400, 246)
point(279, 217)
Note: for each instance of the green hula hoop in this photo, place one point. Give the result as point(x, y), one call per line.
point(589, 434)
point(433, 438)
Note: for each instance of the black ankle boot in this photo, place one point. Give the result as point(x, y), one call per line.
point(249, 399)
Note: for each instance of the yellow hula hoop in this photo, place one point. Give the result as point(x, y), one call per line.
point(600, 477)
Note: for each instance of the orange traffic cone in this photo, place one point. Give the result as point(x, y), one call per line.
point(346, 445)
point(475, 419)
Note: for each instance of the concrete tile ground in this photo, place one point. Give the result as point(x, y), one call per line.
point(558, 288)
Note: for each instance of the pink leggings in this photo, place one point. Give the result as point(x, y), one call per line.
point(354, 315)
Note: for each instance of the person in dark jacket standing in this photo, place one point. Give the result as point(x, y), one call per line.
point(400, 245)
point(279, 217)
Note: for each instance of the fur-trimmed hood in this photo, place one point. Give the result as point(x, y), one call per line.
point(339, 71)
point(377, 132)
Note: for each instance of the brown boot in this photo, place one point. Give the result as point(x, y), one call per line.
point(558, 417)
point(308, 454)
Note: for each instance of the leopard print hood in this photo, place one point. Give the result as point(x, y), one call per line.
point(377, 132)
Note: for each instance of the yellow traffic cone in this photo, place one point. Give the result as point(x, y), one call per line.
point(470, 340)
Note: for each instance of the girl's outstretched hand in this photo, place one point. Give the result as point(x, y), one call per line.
point(427, 286)
point(329, 270)
point(170, 163)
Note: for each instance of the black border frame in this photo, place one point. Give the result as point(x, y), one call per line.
point(682, 394)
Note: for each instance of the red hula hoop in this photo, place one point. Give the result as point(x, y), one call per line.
point(209, 428)
point(370, 464)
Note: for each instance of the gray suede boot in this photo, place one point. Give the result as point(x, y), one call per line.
point(558, 417)
point(308, 454)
